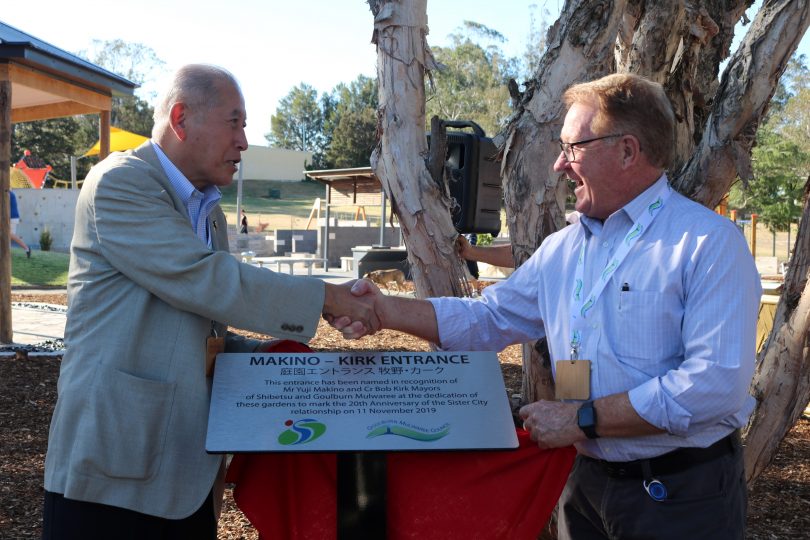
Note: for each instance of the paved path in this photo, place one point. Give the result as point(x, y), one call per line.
point(35, 323)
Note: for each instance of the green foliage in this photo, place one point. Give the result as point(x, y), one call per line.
point(52, 140)
point(43, 269)
point(137, 63)
point(298, 122)
point(535, 42)
point(484, 240)
point(339, 127)
point(473, 83)
point(45, 240)
point(781, 158)
point(353, 124)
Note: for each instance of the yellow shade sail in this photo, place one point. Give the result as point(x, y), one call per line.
point(120, 140)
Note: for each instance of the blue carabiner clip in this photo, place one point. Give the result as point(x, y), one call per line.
point(655, 489)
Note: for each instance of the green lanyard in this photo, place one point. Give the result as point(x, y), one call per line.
point(582, 304)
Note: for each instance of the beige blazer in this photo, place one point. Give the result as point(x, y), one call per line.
point(143, 292)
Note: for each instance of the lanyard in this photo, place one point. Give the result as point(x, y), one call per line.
point(581, 304)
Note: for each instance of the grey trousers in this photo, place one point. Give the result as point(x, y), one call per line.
point(707, 500)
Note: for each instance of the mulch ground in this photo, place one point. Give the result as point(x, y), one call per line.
point(778, 503)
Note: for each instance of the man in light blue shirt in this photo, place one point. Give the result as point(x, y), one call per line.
point(656, 296)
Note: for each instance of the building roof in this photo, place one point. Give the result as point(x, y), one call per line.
point(355, 186)
point(48, 82)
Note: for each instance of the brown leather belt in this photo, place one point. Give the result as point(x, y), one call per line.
point(671, 462)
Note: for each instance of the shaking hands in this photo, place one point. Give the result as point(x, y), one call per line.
point(353, 308)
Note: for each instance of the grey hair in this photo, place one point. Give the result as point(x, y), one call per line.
point(195, 86)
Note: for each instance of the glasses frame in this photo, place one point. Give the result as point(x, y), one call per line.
point(569, 147)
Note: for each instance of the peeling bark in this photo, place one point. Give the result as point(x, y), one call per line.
point(782, 380)
point(580, 47)
point(403, 59)
point(746, 88)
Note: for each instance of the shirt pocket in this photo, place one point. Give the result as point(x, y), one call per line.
point(647, 326)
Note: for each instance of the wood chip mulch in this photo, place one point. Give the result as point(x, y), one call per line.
point(778, 502)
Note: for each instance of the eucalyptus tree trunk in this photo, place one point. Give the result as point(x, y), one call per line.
point(782, 380)
point(579, 48)
point(420, 202)
point(679, 43)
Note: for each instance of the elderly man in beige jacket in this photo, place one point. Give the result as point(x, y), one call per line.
point(152, 287)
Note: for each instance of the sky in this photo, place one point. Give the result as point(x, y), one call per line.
point(270, 46)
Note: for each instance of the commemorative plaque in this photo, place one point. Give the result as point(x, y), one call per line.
point(358, 401)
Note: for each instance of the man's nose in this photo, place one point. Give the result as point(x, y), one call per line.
point(561, 164)
point(241, 140)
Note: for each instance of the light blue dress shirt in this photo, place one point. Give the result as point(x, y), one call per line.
point(681, 340)
point(198, 203)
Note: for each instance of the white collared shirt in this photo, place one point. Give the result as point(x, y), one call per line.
point(681, 340)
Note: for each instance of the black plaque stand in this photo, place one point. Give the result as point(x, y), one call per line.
point(361, 495)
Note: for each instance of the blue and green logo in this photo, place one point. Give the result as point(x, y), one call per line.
point(409, 432)
point(301, 431)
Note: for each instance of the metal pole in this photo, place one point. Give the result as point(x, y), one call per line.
point(73, 161)
point(382, 218)
point(361, 495)
point(325, 239)
point(239, 196)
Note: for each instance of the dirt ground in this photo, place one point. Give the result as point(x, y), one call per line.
point(778, 503)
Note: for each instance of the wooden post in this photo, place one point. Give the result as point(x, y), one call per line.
point(104, 135)
point(6, 328)
point(733, 216)
point(754, 235)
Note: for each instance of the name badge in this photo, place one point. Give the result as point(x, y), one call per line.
point(573, 379)
point(213, 346)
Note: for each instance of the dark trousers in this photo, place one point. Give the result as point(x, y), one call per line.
point(68, 519)
point(706, 500)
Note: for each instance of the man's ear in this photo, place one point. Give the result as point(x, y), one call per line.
point(631, 150)
point(178, 117)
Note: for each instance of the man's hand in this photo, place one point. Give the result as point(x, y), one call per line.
point(352, 308)
point(552, 424)
point(463, 247)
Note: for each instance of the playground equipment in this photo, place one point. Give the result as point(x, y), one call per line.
point(34, 169)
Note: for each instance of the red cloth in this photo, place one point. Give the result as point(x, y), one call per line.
point(448, 495)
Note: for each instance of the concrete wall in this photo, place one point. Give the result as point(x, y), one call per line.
point(264, 163)
point(53, 209)
point(343, 239)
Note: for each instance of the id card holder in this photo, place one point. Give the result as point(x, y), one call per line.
point(573, 380)
point(213, 346)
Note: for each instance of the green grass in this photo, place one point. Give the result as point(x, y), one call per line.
point(43, 269)
point(296, 198)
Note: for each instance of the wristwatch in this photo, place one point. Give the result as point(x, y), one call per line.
point(586, 420)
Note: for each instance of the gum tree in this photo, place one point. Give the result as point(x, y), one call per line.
point(679, 43)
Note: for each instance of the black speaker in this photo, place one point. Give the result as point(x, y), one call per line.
point(475, 183)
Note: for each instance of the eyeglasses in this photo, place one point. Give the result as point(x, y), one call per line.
point(568, 148)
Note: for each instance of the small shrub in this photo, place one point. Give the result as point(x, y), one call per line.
point(45, 240)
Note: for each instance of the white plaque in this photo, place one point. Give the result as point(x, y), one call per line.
point(358, 401)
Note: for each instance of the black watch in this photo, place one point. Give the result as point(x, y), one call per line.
point(586, 420)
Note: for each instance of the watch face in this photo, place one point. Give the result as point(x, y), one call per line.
point(585, 417)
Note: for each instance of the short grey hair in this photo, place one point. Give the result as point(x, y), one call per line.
point(195, 86)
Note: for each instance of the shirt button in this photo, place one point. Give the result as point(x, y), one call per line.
point(594, 326)
point(605, 243)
